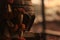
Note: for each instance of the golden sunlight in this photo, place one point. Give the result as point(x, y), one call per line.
point(35, 1)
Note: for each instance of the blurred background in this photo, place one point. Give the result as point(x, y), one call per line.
point(52, 18)
point(52, 13)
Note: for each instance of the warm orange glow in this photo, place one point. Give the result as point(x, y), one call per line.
point(48, 3)
point(35, 1)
